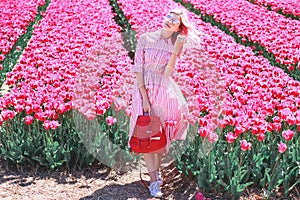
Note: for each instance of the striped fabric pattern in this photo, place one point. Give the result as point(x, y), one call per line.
point(167, 101)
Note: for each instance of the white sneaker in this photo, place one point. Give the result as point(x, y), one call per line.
point(155, 189)
point(159, 178)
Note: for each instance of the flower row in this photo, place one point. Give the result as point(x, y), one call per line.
point(278, 34)
point(14, 19)
point(43, 81)
point(291, 7)
point(255, 90)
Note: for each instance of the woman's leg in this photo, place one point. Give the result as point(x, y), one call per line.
point(157, 160)
point(150, 163)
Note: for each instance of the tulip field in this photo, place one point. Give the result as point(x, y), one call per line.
point(61, 58)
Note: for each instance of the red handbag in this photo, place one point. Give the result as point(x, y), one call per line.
point(148, 135)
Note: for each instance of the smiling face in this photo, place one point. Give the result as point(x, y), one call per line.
point(172, 21)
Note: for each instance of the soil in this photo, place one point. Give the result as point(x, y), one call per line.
point(97, 182)
point(102, 183)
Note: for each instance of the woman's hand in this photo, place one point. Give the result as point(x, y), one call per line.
point(168, 71)
point(180, 41)
point(146, 105)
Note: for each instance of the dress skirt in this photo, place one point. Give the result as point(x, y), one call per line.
point(166, 101)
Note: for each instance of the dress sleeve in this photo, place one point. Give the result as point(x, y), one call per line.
point(139, 57)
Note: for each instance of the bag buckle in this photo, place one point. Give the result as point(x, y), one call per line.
point(155, 138)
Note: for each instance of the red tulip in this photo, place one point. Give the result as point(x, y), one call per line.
point(261, 137)
point(203, 132)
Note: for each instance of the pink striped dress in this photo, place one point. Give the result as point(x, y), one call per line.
point(166, 100)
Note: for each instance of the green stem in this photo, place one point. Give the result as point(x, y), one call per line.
point(240, 163)
point(228, 167)
point(275, 166)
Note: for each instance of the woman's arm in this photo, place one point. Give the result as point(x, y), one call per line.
point(141, 84)
point(176, 50)
point(139, 62)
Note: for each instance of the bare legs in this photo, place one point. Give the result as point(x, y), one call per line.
point(153, 162)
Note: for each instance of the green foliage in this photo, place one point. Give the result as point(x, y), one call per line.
point(225, 167)
point(22, 144)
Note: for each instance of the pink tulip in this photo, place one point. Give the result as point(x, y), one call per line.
point(28, 120)
point(17, 27)
point(245, 145)
point(291, 120)
point(288, 135)
point(28, 110)
point(238, 129)
point(277, 127)
point(50, 124)
point(47, 124)
point(61, 108)
point(40, 116)
point(230, 137)
point(212, 137)
point(19, 108)
point(200, 196)
point(54, 124)
point(111, 120)
point(7, 114)
point(282, 147)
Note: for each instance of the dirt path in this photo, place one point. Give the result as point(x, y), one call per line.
point(93, 183)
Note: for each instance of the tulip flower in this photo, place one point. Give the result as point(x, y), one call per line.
point(111, 120)
point(288, 135)
point(245, 145)
point(200, 196)
point(230, 137)
point(28, 120)
point(260, 137)
point(16, 26)
point(282, 147)
point(7, 114)
point(203, 132)
point(212, 137)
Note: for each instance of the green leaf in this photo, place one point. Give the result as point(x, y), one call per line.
point(221, 182)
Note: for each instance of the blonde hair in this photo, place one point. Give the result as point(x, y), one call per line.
point(186, 27)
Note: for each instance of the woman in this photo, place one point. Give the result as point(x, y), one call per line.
point(155, 91)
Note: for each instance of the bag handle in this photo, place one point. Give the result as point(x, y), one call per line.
point(146, 113)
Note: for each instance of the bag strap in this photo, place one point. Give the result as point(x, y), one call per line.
point(156, 93)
